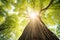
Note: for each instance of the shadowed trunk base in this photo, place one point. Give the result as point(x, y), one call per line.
point(37, 30)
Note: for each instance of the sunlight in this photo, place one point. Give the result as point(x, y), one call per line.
point(32, 13)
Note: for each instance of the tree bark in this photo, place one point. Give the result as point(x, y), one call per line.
point(37, 30)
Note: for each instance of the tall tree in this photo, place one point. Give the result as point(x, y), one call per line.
point(15, 16)
point(37, 30)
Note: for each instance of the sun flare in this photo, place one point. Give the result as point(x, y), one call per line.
point(32, 13)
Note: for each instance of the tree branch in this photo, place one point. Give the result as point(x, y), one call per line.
point(47, 6)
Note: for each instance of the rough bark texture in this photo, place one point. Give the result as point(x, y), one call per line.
point(37, 30)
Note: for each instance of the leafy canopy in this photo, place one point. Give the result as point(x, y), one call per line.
point(14, 18)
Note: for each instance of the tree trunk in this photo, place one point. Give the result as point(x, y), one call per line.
point(37, 30)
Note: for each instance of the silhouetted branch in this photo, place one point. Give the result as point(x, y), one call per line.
point(48, 5)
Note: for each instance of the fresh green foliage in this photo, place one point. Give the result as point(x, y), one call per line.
point(14, 18)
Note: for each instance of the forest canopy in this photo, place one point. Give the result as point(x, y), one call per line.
point(14, 16)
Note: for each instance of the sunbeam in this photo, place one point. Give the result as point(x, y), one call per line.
point(32, 13)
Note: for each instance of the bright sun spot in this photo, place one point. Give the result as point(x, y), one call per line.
point(32, 13)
